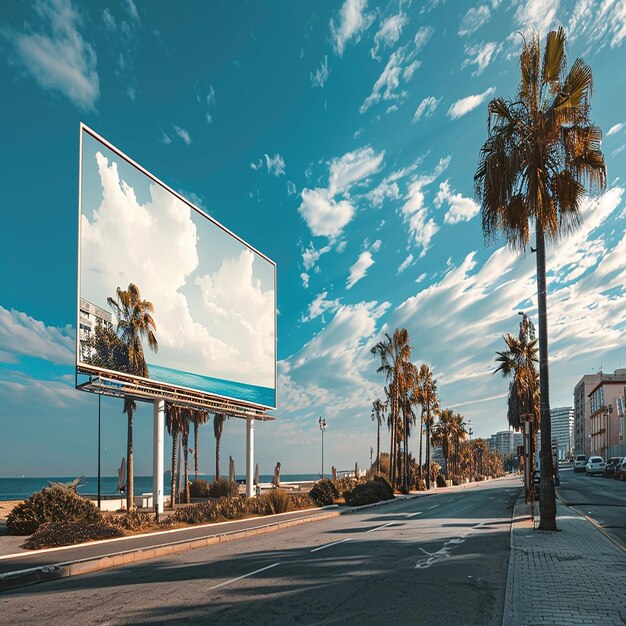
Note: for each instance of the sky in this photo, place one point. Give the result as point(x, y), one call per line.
point(340, 139)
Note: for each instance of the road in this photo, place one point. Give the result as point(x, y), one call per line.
point(438, 559)
point(601, 499)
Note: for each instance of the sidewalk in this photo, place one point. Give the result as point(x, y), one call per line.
point(575, 576)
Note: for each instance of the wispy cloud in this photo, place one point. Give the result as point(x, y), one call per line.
point(426, 108)
point(615, 129)
point(320, 76)
point(536, 15)
point(56, 54)
point(480, 56)
point(319, 306)
point(389, 32)
point(275, 165)
point(461, 209)
point(351, 21)
point(210, 104)
point(359, 269)
point(406, 263)
point(465, 105)
point(182, 133)
point(475, 18)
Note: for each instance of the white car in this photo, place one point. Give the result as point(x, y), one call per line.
point(579, 463)
point(595, 465)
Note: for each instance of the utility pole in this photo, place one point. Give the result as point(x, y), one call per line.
point(322, 423)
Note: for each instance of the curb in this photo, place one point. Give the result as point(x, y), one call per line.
point(35, 575)
point(506, 609)
point(592, 521)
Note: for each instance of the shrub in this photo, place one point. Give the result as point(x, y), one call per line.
point(324, 492)
point(299, 501)
point(441, 481)
point(223, 489)
point(383, 487)
point(55, 503)
point(66, 533)
point(199, 488)
point(369, 492)
point(133, 520)
point(276, 501)
point(343, 484)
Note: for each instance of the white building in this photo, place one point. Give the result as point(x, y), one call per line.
point(562, 422)
point(582, 413)
point(505, 442)
point(90, 317)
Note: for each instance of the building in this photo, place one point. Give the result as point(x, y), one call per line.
point(582, 413)
point(90, 317)
point(505, 442)
point(562, 422)
point(606, 402)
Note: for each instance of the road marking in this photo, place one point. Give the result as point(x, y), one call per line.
point(331, 544)
point(449, 500)
point(414, 514)
point(434, 506)
point(371, 530)
point(234, 580)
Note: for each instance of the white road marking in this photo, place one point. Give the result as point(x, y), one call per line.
point(331, 544)
point(414, 514)
point(234, 580)
point(371, 530)
point(449, 500)
point(432, 557)
point(433, 507)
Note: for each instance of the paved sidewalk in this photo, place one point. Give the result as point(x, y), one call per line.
point(561, 577)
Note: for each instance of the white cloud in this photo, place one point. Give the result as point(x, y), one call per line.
point(597, 24)
point(319, 306)
point(461, 209)
point(615, 129)
point(165, 138)
point(319, 78)
point(341, 246)
point(465, 105)
point(352, 21)
point(536, 15)
point(291, 188)
point(132, 9)
point(22, 335)
point(406, 263)
point(389, 32)
point(400, 68)
point(310, 256)
point(257, 165)
point(182, 133)
point(234, 337)
point(275, 165)
point(375, 247)
point(359, 269)
point(305, 280)
point(57, 56)
point(480, 56)
point(421, 277)
point(109, 20)
point(210, 103)
point(325, 214)
point(475, 18)
point(426, 108)
point(422, 228)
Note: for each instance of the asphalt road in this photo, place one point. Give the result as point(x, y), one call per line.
point(601, 499)
point(439, 559)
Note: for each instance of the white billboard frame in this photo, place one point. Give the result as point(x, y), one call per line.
point(87, 369)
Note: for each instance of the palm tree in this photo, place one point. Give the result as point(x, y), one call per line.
point(393, 352)
point(198, 418)
point(430, 408)
point(379, 409)
point(186, 415)
point(218, 426)
point(459, 435)
point(443, 434)
point(134, 323)
point(174, 425)
point(541, 152)
point(408, 380)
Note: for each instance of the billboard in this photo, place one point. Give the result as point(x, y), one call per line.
point(165, 292)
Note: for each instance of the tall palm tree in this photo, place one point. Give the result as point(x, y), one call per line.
point(430, 408)
point(134, 324)
point(198, 418)
point(379, 408)
point(393, 351)
point(408, 380)
point(541, 152)
point(187, 415)
point(174, 425)
point(218, 426)
point(460, 433)
point(443, 435)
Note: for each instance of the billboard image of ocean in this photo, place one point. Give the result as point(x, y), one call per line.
point(206, 299)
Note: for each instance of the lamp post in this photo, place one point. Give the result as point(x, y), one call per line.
point(322, 423)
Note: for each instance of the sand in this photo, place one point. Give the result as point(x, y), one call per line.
point(6, 506)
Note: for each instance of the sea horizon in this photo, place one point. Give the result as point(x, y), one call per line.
point(20, 488)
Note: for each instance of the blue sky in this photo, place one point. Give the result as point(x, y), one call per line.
point(340, 139)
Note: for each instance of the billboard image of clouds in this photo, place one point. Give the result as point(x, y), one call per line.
point(213, 296)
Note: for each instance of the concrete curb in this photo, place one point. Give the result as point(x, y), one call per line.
point(510, 583)
point(32, 576)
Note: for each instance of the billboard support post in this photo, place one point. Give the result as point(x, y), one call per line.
point(157, 456)
point(249, 457)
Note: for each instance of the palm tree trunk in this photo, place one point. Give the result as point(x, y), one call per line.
point(421, 440)
point(195, 446)
point(378, 449)
point(173, 476)
point(130, 469)
point(186, 449)
point(547, 496)
point(428, 449)
point(392, 416)
point(217, 457)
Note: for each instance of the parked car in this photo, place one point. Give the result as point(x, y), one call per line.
point(620, 470)
point(595, 465)
point(611, 464)
point(579, 463)
point(537, 482)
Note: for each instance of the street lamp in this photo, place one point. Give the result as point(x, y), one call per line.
point(322, 423)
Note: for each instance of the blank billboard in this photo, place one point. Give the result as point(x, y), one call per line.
point(165, 292)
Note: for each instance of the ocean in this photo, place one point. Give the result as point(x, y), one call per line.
point(265, 396)
point(22, 488)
